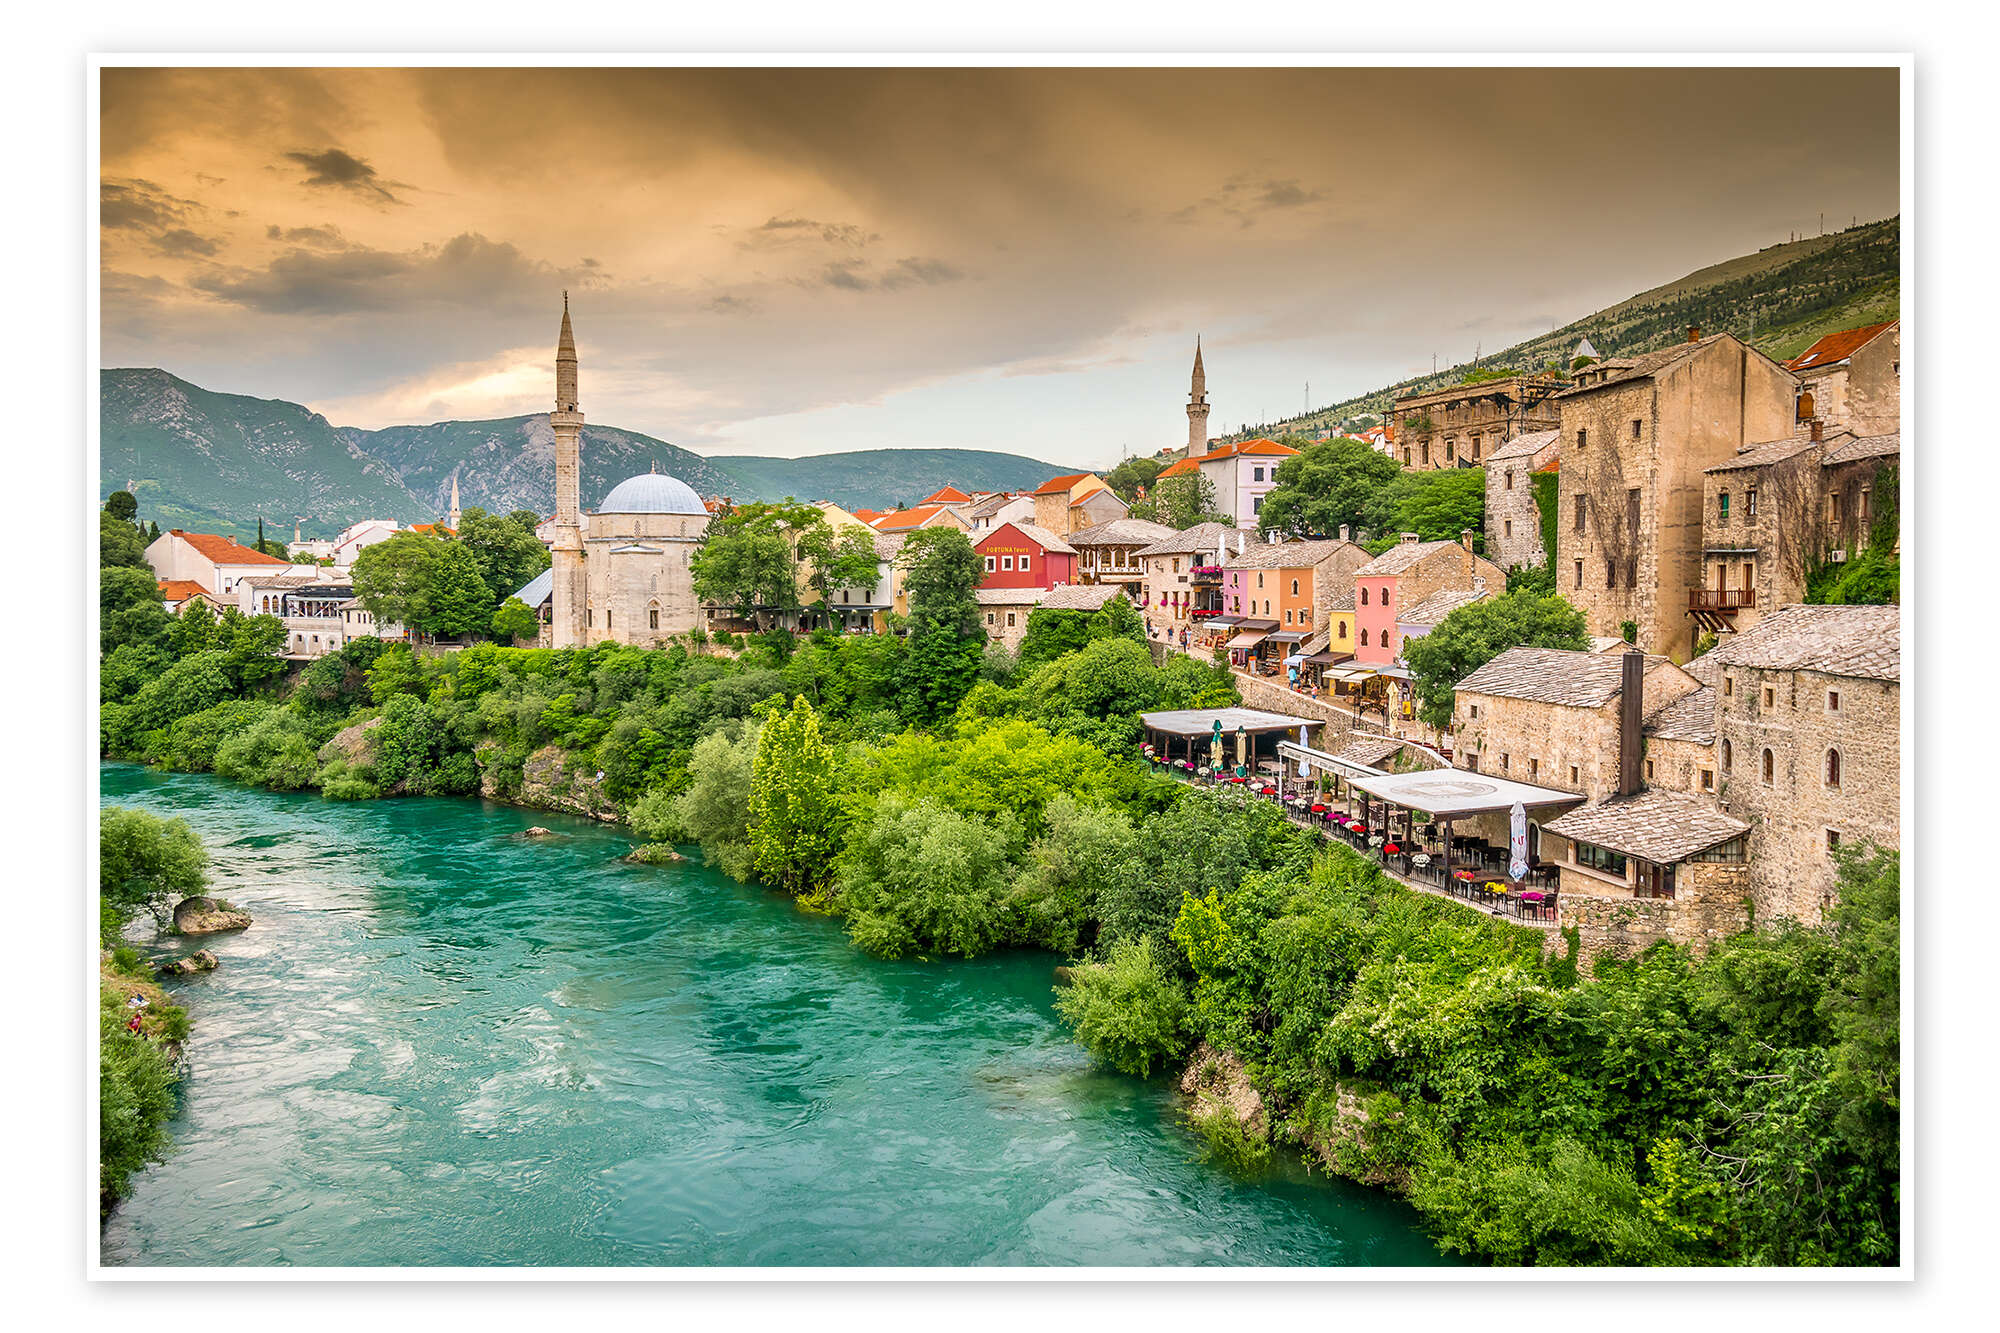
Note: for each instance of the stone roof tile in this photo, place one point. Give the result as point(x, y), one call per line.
point(1658, 826)
point(1861, 641)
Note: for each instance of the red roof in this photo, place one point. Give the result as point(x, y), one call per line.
point(1260, 448)
point(1063, 483)
point(905, 518)
point(950, 495)
point(222, 551)
point(1180, 469)
point(432, 527)
point(1835, 347)
point(179, 590)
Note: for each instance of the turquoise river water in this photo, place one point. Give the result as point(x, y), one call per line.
point(442, 1043)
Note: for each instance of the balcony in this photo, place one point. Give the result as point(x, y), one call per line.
point(1722, 599)
point(1206, 573)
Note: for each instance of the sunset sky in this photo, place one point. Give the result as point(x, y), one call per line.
point(802, 261)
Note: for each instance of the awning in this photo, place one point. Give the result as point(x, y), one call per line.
point(1328, 658)
point(1247, 640)
point(1447, 793)
point(1291, 636)
point(1265, 626)
point(1219, 622)
point(1350, 673)
point(1395, 672)
point(1295, 659)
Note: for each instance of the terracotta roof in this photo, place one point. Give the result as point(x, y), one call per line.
point(1062, 483)
point(1121, 532)
point(1864, 446)
point(1081, 596)
point(1289, 555)
point(1862, 641)
point(1688, 718)
point(432, 527)
point(1835, 347)
point(223, 551)
point(903, 520)
point(1442, 603)
point(1180, 469)
point(1552, 676)
point(1202, 536)
point(1524, 446)
point(947, 495)
point(993, 504)
point(1258, 448)
point(179, 590)
point(1402, 556)
point(1658, 826)
point(869, 515)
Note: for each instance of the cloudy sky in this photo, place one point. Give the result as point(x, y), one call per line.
point(802, 261)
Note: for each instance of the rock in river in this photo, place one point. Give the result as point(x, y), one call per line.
point(201, 915)
point(201, 960)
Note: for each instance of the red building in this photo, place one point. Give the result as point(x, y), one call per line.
point(1021, 555)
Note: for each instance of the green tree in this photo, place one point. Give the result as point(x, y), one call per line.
point(460, 602)
point(1181, 501)
point(794, 829)
point(394, 579)
point(119, 544)
point(1474, 635)
point(1325, 487)
point(505, 550)
point(122, 505)
point(129, 610)
point(835, 560)
point(946, 640)
point(920, 878)
point(1436, 505)
point(748, 559)
point(1134, 474)
point(715, 809)
point(1126, 1008)
point(144, 863)
point(516, 621)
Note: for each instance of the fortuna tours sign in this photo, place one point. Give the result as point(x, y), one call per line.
point(1517, 864)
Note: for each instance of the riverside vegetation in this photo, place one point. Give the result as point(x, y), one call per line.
point(943, 799)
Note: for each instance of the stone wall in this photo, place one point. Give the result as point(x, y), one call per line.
point(1513, 524)
point(1335, 726)
point(1711, 904)
point(1573, 749)
point(1792, 814)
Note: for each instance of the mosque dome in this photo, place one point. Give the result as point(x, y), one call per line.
point(652, 493)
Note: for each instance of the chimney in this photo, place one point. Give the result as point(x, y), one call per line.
point(1818, 429)
point(1465, 538)
point(1631, 703)
point(1694, 333)
point(1409, 539)
point(1343, 533)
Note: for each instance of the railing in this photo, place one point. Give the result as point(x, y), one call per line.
point(1721, 599)
point(1206, 573)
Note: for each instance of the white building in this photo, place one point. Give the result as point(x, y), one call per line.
point(217, 564)
point(345, 547)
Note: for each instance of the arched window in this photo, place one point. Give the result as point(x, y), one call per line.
point(1364, 596)
point(1364, 638)
point(1770, 767)
point(1726, 755)
point(1833, 769)
point(1343, 629)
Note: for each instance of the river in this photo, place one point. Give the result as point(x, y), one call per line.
point(444, 1044)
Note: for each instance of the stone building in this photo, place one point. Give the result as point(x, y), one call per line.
point(1809, 744)
point(1774, 510)
point(1286, 584)
point(1176, 598)
point(1404, 575)
point(1109, 552)
point(1197, 408)
point(1853, 380)
point(1004, 613)
point(1637, 435)
point(621, 572)
point(1513, 523)
point(1064, 504)
point(1463, 425)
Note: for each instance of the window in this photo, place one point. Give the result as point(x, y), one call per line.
point(1635, 428)
point(1770, 697)
point(1449, 446)
point(1364, 596)
point(1385, 596)
point(1579, 573)
point(1472, 711)
point(1579, 514)
point(1582, 438)
point(1306, 616)
point(1610, 573)
point(1727, 756)
point(1364, 638)
point(1728, 685)
point(1632, 513)
point(1288, 615)
point(1649, 770)
point(992, 618)
point(1750, 502)
point(1805, 406)
point(1508, 527)
point(1406, 456)
point(1257, 505)
point(1833, 769)
point(653, 615)
point(989, 564)
point(1510, 479)
point(1427, 455)
point(1503, 761)
point(1534, 769)
point(1256, 474)
point(1260, 578)
point(1725, 852)
point(1007, 563)
point(1770, 768)
point(1833, 507)
point(1722, 509)
point(1708, 779)
point(1475, 449)
point(1599, 858)
point(1833, 701)
point(1295, 587)
point(1343, 629)
point(1832, 840)
point(1573, 775)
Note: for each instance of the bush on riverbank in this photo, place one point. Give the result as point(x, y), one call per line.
point(136, 1073)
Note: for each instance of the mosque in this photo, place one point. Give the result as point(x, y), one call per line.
point(620, 572)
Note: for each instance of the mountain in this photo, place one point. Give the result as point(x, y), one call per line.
point(218, 462)
point(872, 478)
point(1780, 300)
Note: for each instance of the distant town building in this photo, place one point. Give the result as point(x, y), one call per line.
point(1183, 580)
point(1242, 474)
point(1107, 553)
point(1462, 425)
point(1025, 555)
point(1060, 503)
point(1406, 575)
point(1853, 380)
point(214, 564)
point(1513, 522)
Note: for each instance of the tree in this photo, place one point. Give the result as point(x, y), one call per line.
point(715, 809)
point(1126, 1008)
point(393, 578)
point(122, 505)
point(946, 640)
point(1134, 474)
point(748, 558)
point(193, 629)
point(923, 877)
point(1117, 619)
point(459, 602)
point(119, 544)
point(843, 559)
point(516, 621)
point(1474, 635)
point(794, 823)
point(1325, 487)
point(144, 863)
point(506, 550)
point(129, 610)
point(250, 647)
point(1181, 501)
point(1436, 505)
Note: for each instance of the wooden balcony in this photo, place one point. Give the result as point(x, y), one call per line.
point(1722, 599)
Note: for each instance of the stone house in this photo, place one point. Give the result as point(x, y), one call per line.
point(1809, 744)
point(1463, 425)
point(1004, 612)
point(1773, 510)
point(1177, 599)
point(1059, 503)
point(1637, 436)
point(1405, 575)
point(1513, 523)
point(1853, 379)
point(1109, 552)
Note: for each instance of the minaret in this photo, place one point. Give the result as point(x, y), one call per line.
point(567, 587)
point(1197, 408)
point(451, 520)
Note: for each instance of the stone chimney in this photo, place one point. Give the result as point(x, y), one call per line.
point(1465, 538)
point(1818, 429)
point(1631, 706)
point(1343, 533)
point(1694, 333)
point(1409, 539)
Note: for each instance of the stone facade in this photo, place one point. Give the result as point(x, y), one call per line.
point(1004, 612)
point(1513, 523)
point(1853, 379)
point(1711, 903)
point(1637, 435)
point(1462, 426)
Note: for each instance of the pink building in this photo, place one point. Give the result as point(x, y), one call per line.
point(1404, 575)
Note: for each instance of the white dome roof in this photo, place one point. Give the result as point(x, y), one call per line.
point(652, 493)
